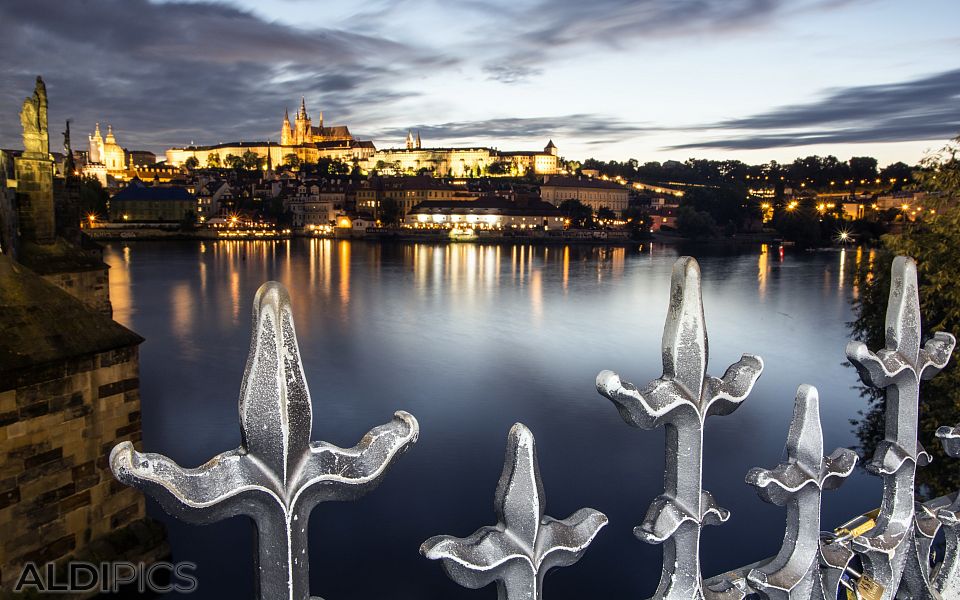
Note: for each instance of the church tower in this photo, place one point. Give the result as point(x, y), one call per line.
point(286, 133)
point(303, 132)
point(410, 142)
point(418, 140)
point(96, 146)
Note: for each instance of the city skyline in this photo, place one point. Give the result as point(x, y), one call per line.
point(754, 80)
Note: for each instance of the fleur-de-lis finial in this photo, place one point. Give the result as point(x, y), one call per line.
point(277, 475)
point(794, 573)
point(947, 580)
point(681, 400)
point(897, 368)
point(518, 551)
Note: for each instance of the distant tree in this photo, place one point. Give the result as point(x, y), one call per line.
point(390, 212)
point(425, 171)
point(800, 225)
point(292, 160)
point(233, 162)
point(695, 224)
point(251, 160)
point(579, 214)
point(332, 166)
point(500, 167)
point(191, 163)
point(726, 204)
point(605, 214)
point(213, 161)
point(896, 175)
point(93, 198)
point(863, 168)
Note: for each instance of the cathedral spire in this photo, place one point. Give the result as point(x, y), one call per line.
point(418, 139)
point(303, 107)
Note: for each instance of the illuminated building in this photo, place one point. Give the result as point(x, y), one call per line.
point(595, 193)
point(139, 202)
point(406, 192)
point(462, 162)
point(300, 138)
point(490, 212)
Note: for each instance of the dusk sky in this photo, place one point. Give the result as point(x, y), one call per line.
point(651, 79)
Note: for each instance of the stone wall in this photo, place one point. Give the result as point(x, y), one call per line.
point(90, 287)
point(58, 424)
point(35, 198)
point(9, 220)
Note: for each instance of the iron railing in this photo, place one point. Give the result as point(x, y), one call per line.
point(278, 475)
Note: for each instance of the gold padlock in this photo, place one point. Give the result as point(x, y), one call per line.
point(861, 586)
point(868, 589)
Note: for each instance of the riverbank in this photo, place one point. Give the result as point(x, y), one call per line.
point(578, 236)
point(433, 236)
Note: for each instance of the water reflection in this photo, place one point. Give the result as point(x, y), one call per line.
point(472, 338)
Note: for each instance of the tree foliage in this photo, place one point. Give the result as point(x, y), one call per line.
point(579, 214)
point(251, 160)
point(93, 198)
point(292, 160)
point(695, 224)
point(933, 243)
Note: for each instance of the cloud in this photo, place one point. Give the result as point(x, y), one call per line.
point(921, 109)
point(567, 126)
point(166, 74)
point(540, 32)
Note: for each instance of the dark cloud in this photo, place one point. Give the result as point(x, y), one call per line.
point(544, 30)
point(564, 126)
point(921, 109)
point(167, 74)
point(510, 73)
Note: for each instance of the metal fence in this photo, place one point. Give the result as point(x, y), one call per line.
point(278, 475)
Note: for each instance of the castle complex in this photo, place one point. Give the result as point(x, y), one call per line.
point(310, 143)
point(300, 138)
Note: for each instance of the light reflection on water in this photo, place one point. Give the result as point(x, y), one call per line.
point(471, 338)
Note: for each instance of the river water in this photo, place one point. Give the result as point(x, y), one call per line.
point(471, 339)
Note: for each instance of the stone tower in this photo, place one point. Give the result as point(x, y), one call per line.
point(96, 143)
point(286, 133)
point(34, 170)
point(410, 141)
point(303, 133)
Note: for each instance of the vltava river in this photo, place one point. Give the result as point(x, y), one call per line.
point(471, 339)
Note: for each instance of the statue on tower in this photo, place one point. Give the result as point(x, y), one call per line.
point(69, 165)
point(33, 118)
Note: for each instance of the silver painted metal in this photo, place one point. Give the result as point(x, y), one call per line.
point(898, 368)
point(947, 579)
point(277, 475)
point(517, 552)
point(795, 573)
point(680, 401)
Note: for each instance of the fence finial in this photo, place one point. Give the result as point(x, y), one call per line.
point(898, 368)
point(277, 475)
point(798, 484)
point(947, 580)
point(524, 544)
point(681, 400)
